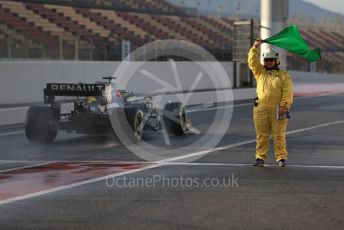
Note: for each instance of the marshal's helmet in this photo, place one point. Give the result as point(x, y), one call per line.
point(270, 53)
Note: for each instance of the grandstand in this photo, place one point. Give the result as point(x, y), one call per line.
point(95, 29)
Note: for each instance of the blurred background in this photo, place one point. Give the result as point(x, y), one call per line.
point(106, 30)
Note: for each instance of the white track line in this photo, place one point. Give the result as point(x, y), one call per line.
point(246, 142)
point(315, 127)
point(66, 161)
point(158, 164)
point(219, 107)
point(250, 165)
point(322, 95)
point(26, 166)
point(18, 161)
point(12, 133)
point(14, 108)
point(74, 161)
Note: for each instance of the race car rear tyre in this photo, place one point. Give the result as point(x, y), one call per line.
point(134, 117)
point(40, 124)
point(175, 118)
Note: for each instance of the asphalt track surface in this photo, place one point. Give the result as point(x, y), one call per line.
point(65, 185)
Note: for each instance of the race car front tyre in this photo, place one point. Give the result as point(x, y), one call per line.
point(175, 118)
point(40, 124)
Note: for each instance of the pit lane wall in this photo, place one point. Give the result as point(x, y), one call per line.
point(22, 82)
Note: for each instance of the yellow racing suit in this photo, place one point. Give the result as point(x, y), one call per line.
point(274, 89)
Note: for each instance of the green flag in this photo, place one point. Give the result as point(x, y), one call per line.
point(291, 40)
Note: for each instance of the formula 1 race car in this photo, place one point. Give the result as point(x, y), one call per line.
point(94, 104)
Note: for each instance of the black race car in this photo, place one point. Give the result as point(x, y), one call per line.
point(94, 106)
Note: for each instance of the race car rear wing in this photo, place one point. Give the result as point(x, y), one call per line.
point(76, 90)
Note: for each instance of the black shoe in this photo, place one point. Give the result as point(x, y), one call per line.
point(259, 162)
point(281, 163)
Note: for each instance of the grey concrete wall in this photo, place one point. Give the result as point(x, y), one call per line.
point(23, 82)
